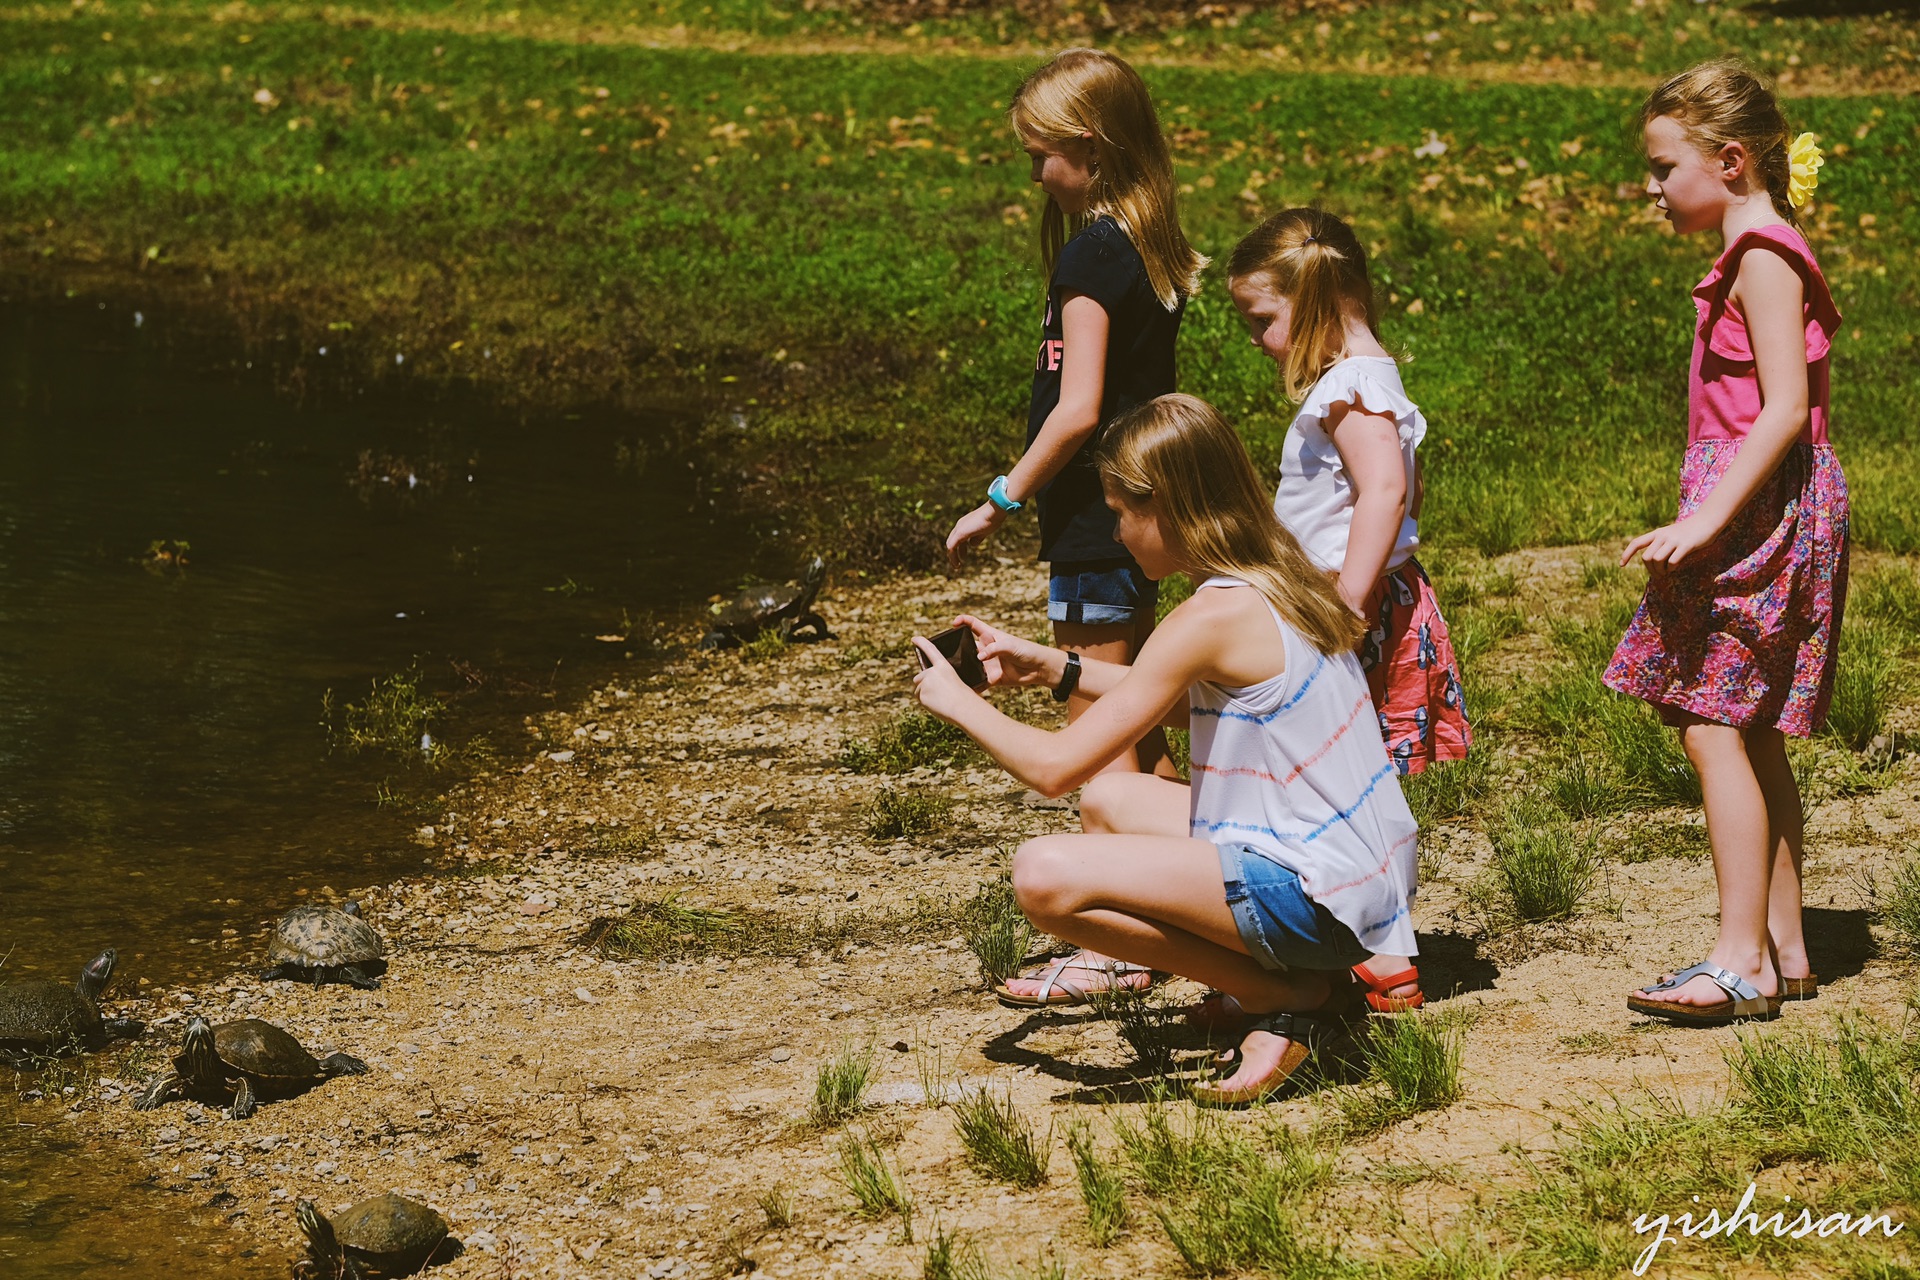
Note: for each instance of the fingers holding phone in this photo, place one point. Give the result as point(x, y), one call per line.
point(1008, 659)
point(956, 645)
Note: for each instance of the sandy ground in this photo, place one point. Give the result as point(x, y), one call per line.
point(578, 1116)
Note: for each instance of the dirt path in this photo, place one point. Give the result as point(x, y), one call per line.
point(579, 1116)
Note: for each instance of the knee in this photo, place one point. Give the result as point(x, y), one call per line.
point(1043, 880)
point(1102, 801)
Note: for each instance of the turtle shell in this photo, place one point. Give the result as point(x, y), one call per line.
point(40, 1012)
point(392, 1229)
point(263, 1051)
point(323, 938)
point(760, 603)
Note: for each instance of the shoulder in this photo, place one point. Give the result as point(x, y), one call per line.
point(1102, 243)
point(1368, 386)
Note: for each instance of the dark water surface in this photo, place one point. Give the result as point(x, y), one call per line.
point(164, 772)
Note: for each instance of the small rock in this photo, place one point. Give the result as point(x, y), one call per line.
point(535, 907)
point(325, 1167)
point(585, 996)
point(781, 1054)
point(407, 1046)
point(424, 1113)
point(560, 757)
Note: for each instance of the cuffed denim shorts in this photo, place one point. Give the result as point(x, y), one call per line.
point(1100, 592)
point(1282, 927)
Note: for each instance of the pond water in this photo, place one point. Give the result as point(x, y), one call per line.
point(188, 565)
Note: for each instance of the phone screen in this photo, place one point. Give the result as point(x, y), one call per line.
point(956, 646)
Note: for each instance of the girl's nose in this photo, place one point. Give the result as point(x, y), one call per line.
point(1653, 188)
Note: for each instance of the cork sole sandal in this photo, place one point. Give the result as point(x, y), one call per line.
point(1303, 1035)
point(1743, 1003)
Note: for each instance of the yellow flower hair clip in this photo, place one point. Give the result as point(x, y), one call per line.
point(1803, 169)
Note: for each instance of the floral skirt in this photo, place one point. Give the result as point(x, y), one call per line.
point(1411, 672)
point(1745, 632)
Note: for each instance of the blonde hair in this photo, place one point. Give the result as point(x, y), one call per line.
point(1086, 91)
point(1726, 101)
point(1318, 263)
point(1179, 453)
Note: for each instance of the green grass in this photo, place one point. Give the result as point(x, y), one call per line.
point(1413, 1065)
point(996, 931)
point(877, 1187)
point(953, 1256)
point(1900, 908)
point(1543, 866)
point(463, 193)
point(1102, 1190)
point(911, 741)
point(840, 1087)
point(1000, 1142)
point(393, 718)
point(1870, 676)
point(776, 1207)
point(895, 813)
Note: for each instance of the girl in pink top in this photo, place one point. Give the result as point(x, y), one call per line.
point(1735, 641)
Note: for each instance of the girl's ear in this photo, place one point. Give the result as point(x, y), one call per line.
point(1732, 160)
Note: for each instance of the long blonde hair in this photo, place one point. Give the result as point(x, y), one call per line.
point(1086, 91)
point(1179, 453)
point(1725, 101)
point(1317, 263)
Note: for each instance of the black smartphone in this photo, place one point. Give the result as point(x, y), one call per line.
point(956, 646)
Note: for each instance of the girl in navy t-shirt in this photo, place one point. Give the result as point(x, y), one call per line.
point(1121, 271)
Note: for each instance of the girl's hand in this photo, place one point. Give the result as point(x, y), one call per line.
point(938, 686)
point(1010, 660)
point(971, 528)
point(1670, 544)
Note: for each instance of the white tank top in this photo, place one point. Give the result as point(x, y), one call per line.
point(1315, 498)
point(1293, 769)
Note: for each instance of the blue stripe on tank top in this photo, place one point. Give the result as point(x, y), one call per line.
point(1284, 707)
point(1303, 837)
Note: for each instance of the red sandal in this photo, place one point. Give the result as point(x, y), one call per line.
point(1377, 994)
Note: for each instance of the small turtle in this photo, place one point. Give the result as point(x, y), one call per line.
point(40, 1017)
point(388, 1235)
point(783, 607)
point(242, 1062)
point(320, 944)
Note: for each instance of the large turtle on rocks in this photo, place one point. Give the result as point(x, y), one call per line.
point(768, 606)
point(388, 1235)
point(241, 1062)
point(321, 944)
point(40, 1017)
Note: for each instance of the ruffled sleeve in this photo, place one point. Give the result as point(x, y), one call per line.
point(1725, 331)
point(1372, 385)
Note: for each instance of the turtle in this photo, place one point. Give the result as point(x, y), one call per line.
point(388, 1235)
point(241, 1062)
point(321, 944)
point(40, 1017)
point(783, 607)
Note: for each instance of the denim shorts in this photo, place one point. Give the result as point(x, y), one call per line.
point(1282, 927)
point(1100, 592)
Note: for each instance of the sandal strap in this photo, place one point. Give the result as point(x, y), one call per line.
point(1381, 986)
point(1294, 1026)
point(1745, 996)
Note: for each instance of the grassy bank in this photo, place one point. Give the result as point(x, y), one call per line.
point(834, 250)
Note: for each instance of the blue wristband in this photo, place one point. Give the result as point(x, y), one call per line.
point(997, 495)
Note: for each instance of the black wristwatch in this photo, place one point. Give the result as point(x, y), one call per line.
point(1069, 679)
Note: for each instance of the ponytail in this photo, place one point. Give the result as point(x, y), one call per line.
point(1318, 264)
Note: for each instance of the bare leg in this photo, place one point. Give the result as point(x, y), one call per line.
point(1114, 642)
point(1767, 749)
point(1161, 901)
point(1739, 829)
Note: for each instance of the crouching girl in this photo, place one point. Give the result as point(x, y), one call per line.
point(1291, 857)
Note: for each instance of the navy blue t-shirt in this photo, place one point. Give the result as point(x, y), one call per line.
point(1101, 262)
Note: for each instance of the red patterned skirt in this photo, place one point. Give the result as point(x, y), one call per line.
point(1411, 672)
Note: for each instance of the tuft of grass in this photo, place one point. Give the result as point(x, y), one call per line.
point(1232, 1197)
point(876, 1185)
point(770, 643)
point(1543, 866)
point(1000, 1142)
point(996, 932)
point(840, 1088)
point(1900, 909)
point(1865, 686)
point(911, 741)
point(1413, 1065)
point(1445, 791)
point(1644, 752)
point(952, 1256)
point(776, 1206)
point(394, 718)
point(1141, 1020)
point(1582, 788)
point(1847, 1094)
point(896, 813)
point(1889, 594)
point(1102, 1189)
point(1478, 630)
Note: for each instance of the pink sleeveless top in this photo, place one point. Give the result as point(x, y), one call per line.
point(1723, 395)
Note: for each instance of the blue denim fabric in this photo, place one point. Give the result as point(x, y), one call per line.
point(1282, 927)
point(1101, 593)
